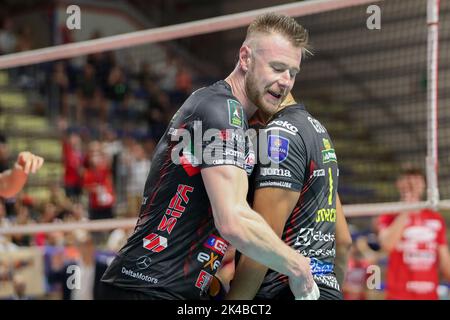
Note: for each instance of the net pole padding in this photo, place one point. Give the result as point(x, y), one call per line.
point(432, 102)
point(91, 225)
point(167, 33)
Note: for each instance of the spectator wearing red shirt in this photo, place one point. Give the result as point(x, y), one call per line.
point(416, 243)
point(73, 166)
point(97, 180)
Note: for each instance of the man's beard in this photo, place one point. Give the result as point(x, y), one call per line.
point(254, 95)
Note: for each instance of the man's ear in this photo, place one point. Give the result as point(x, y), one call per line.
point(245, 57)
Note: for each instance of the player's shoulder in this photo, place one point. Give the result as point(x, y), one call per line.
point(296, 119)
point(217, 101)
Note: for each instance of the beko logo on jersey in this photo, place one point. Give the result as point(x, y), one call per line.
point(306, 235)
point(290, 127)
point(275, 172)
point(210, 260)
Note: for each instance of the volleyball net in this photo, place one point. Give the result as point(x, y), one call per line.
point(372, 81)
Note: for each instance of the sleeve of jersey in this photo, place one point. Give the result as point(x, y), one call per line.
point(282, 161)
point(223, 125)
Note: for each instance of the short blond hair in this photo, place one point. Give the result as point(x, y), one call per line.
point(282, 24)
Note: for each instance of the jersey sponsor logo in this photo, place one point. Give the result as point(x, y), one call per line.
point(139, 276)
point(234, 153)
point(326, 215)
point(319, 267)
point(203, 280)
point(175, 209)
point(318, 173)
point(327, 280)
point(285, 124)
point(420, 287)
point(277, 148)
point(209, 260)
point(307, 235)
point(216, 244)
point(328, 155)
point(323, 253)
point(235, 113)
point(143, 262)
point(317, 125)
point(275, 172)
point(232, 135)
point(282, 184)
point(155, 242)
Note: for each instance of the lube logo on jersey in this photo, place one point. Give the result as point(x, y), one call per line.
point(235, 113)
point(290, 127)
point(175, 209)
point(216, 244)
point(277, 148)
point(328, 155)
point(317, 125)
point(203, 280)
point(209, 260)
point(154, 242)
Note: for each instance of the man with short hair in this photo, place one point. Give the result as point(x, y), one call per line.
point(192, 208)
point(416, 242)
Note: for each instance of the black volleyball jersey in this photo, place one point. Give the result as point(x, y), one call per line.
point(302, 158)
point(175, 249)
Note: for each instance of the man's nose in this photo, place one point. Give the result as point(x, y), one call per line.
point(285, 80)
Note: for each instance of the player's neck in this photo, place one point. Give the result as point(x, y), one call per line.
point(236, 81)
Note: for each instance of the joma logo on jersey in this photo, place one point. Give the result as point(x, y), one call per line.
point(209, 260)
point(326, 215)
point(275, 172)
point(175, 209)
point(216, 244)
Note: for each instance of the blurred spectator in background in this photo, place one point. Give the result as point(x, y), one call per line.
point(138, 167)
point(97, 180)
point(78, 278)
point(8, 39)
point(416, 242)
point(73, 159)
point(361, 257)
point(59, 91)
